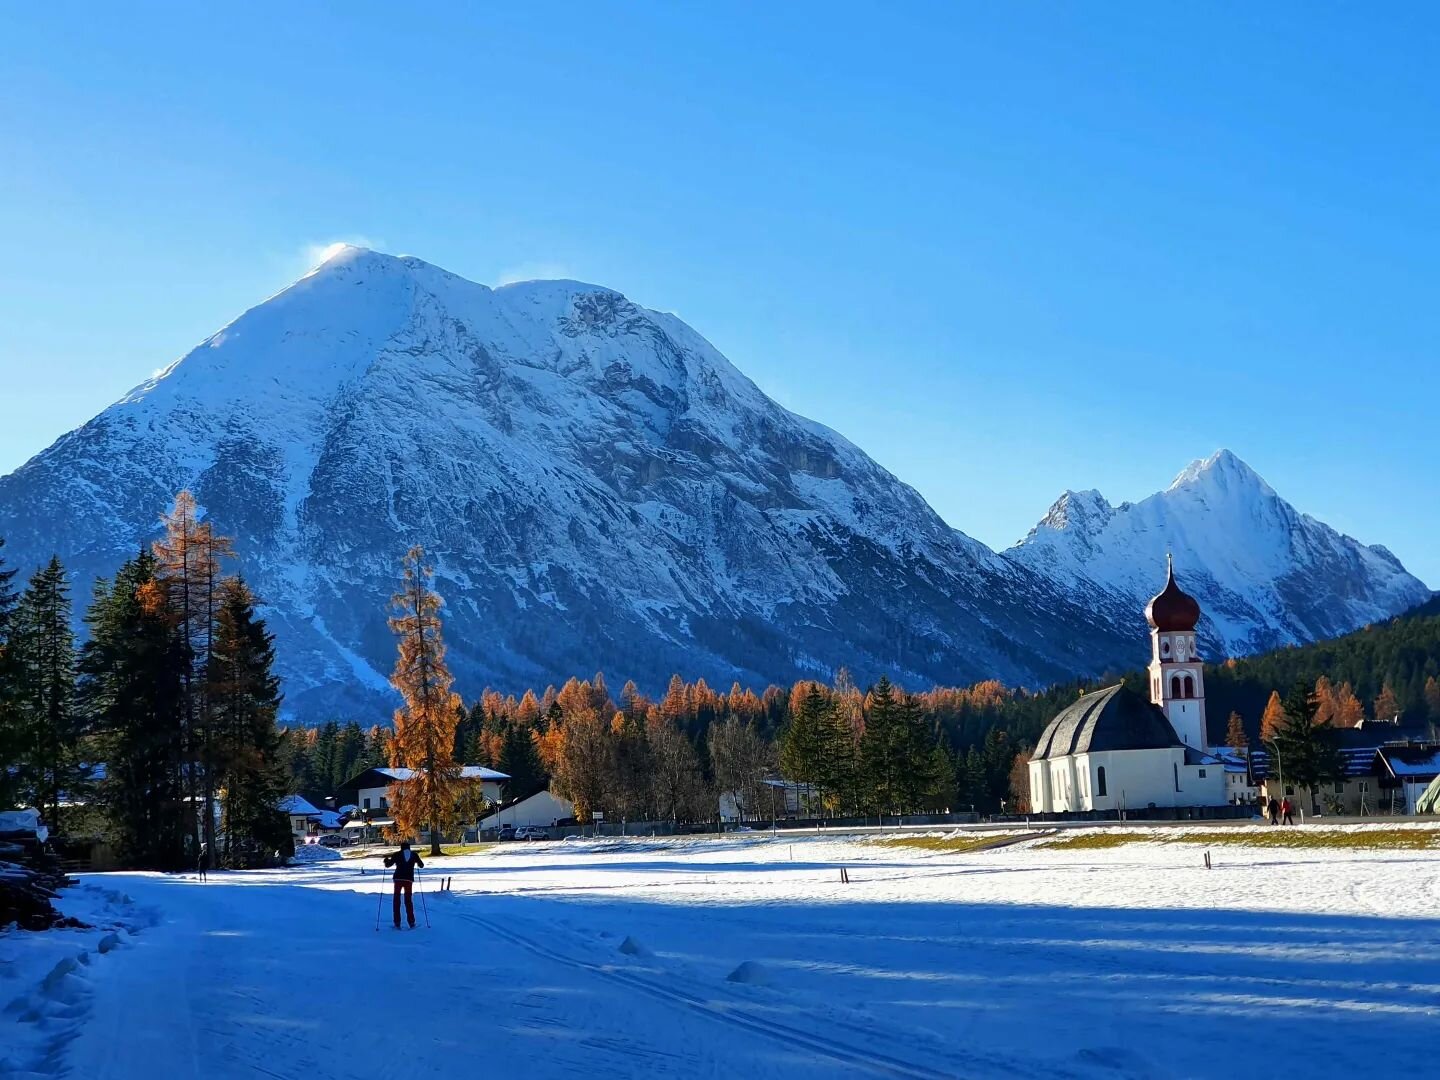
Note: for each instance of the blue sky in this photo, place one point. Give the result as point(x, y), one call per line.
point(1007, 249)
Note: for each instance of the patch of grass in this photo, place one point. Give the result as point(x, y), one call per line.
point(1268, 836)
point(1093, 841)
point(446, 850)
point(947, 844)
point(458, 849)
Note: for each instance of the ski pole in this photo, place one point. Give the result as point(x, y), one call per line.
point(379, 901)
point(423, 906)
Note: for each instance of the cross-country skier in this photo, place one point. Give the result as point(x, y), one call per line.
point(406, 862)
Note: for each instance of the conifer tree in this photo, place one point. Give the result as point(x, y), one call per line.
point(925, 770)
point(1347, 711)
point(803, 747)
point(628, 792)
point(1235, 736)
point(1273, 718)
point(520, 761)
point(133, 699)
point(11, 726)
point(435, 796)
point(883, 748)
point(244, 698)
point(45, 656)
point(587, 761)
point(1387, 705)
point(1304, 749)
point(189, 570)
point(1432, 699)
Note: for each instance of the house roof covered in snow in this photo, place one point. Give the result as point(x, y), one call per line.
point(1420, 762)
point(469, 772)
point(298, 806)
point(385, 775)
point(1357, 748)
point(1113, 719)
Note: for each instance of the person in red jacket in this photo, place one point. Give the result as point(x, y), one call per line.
point(1287, 811)
point(406, 862)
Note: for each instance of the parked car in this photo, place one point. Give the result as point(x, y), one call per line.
point(507, 832)
point(532, 832)
point(334, 840)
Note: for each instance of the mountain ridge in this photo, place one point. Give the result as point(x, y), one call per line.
point(597, 484)
point(1284, 586)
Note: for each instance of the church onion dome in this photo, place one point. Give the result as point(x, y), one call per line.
point(1173, 608)
point(1113, 719)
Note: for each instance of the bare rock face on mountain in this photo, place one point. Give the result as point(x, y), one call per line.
point(1265, 574)
point(599, 488)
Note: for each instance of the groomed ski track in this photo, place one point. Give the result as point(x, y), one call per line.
point(1016, 961)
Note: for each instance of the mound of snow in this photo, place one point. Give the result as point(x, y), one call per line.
point(315, 853)
point(750, 973)
point(631, 947)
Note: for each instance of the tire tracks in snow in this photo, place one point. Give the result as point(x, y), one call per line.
point(734, 1015)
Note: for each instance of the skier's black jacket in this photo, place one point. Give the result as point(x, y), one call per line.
point(404, 868)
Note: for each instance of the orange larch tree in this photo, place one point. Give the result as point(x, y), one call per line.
point(1273, 719)
point(1235, 736)
point(435, 795)
point(188, 570)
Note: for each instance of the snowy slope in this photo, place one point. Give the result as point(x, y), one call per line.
point(598, 485)
point(750, 958)
point(1265, 574)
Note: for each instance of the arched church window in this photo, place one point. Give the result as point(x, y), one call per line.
point(1175, 686)
point(1100, 781)
point(1189, 686)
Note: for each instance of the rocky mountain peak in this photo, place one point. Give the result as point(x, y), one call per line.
point(601, 489)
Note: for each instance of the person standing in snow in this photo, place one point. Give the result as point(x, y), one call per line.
point(1286, 812)
point(1274, 809)
point(406, 862)
point(202, 861)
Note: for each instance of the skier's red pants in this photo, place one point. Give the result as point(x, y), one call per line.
point(404, 886)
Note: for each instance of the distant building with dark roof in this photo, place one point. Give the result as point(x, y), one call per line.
point(1384, 768)
point(1114, 750)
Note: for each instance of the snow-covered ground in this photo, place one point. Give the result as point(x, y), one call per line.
point(747, 956)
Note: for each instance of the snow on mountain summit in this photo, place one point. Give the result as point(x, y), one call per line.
point(601, 488)
point(1264, 573)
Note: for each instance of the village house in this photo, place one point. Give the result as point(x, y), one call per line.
point(369, 791)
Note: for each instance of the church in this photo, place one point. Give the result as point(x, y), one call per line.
point(1115, 750)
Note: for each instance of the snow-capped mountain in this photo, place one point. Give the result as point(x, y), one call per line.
point(601, 489)
point(1265, 574)
point(598, 486)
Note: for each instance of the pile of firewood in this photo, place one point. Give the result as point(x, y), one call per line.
point(30, 878)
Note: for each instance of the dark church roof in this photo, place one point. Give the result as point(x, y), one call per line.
point(1111, 719)
point(1172, 609)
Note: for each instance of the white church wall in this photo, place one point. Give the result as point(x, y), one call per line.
point(1134, 779)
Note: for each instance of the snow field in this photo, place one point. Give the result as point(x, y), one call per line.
point(702, 956)
point(46, 979)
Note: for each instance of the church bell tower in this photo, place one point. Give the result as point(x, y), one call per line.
point(1177, 675)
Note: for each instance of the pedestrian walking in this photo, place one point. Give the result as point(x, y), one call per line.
point(406, 862)
point(202, 860)
point(1287, 810)
point(1274, 809)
